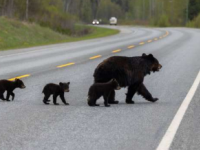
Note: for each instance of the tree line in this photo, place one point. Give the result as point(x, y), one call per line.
point(63, 14)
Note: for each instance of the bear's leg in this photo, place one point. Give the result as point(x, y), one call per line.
point(92, 101)
point(8, 95)
point(55, 99)
point(63, 99)
point(2, 96)
point(131, 92)
point(105, 97)
point(111, 98)
point(46, 99)
point(142, 90)
point(13, 95)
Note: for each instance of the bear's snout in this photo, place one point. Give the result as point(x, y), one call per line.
point(23, 86)
point(160, 66)
point(157, 68)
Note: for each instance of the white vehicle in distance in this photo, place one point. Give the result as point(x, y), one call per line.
point(113, 21)
point(95, 22)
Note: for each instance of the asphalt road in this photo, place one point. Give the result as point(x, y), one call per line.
point(28, 124)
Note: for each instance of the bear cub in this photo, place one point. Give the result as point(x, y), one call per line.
point(9, 86)
point(55, 90)
point(102, 89)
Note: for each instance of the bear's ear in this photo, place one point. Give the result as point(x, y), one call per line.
point(16, 79)
point(61, 84)
point(143, 55)
point(150, 55)
point(68, 83)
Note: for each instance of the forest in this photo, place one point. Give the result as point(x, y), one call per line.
point(62, 15)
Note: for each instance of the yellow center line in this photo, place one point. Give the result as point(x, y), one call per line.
point(142, 43)
point(19, 77)
point(65, 65)
point(156, 39)
point(160, 37)
point(94, 57)
point(167, 33)
point(115, 51)
point(149, 41)
point(131, 46)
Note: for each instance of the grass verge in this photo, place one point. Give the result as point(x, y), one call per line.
point(15, 34)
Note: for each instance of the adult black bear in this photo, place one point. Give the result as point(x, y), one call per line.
point(128, 71)
point(101, 89)
point(56, 90)
point(9, 86)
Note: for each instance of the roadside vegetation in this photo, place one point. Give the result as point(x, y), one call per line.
point(62, 15)
point(195, 23)
point(194, 14)
point(17, 34)
point(27, 23)
point(38, 22)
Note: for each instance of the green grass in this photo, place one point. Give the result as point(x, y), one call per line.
point(15, 34)
point(95, 33)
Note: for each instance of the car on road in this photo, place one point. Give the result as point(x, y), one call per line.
point(113, 21)
point(95, 22)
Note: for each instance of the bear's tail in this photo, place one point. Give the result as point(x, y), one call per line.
point(101, 76)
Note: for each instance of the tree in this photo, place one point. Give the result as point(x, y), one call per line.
point(108, 9)
point(67, 4)
point(27, 6)
point(194, 9)
point(95, 5)
point(86, 11)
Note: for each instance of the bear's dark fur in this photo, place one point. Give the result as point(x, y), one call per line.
point(9, 86)
point(56, 90)
point(128, 71)
point(101, 89)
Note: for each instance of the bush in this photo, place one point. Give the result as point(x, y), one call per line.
point(61, 22)
point(195, 23)
point(163, 21)
point(50, 13)
point(82, 30)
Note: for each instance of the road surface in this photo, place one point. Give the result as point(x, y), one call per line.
point(28, 124)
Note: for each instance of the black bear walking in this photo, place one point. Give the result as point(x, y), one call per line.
point(128, 71)
point(56, 90)
point(9, 86)
point(101, 89)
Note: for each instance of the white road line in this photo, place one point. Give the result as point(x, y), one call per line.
point(171, 131)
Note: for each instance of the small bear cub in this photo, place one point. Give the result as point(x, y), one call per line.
point(55, 90)
point(102, 89)
point(9, 86)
